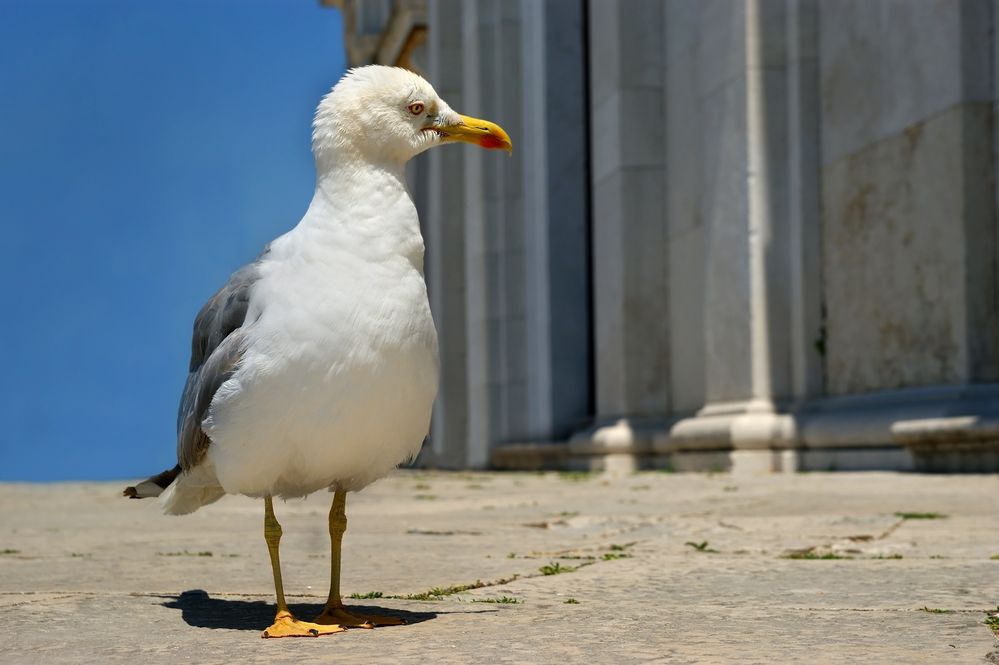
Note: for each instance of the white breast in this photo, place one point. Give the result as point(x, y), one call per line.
point(338, 380)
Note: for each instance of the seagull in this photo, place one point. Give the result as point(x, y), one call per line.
point(316, 365)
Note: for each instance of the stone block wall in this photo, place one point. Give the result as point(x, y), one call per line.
point(829, 247)
point(757, 235)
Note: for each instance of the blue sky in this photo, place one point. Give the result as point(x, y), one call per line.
point(147, 149)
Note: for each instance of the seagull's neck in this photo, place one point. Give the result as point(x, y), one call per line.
point(367, 207)
point(343, 186)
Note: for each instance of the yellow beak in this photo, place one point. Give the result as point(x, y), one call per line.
point(482, 133)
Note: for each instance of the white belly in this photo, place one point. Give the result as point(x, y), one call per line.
point(336, 387)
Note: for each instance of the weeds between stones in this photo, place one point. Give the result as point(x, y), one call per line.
point(365, 596)
point(810, 555)
point(920, 516)
point(611, 556)
point(701, 547)
point(555, 568)
point(992, 621)
point(185, 553)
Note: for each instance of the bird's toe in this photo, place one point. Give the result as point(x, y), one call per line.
point(286, 625)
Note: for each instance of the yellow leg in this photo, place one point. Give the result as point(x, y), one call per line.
point(285, 625)
point(334, 612)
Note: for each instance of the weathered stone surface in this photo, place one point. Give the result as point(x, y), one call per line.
point(889, 64)
point(632, 359)
point(686, 315)
point(86, 576)
point(895, 260)
point(627, 174)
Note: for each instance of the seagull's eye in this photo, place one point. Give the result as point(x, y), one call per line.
point(416, 108)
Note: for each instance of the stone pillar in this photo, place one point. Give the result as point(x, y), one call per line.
point(741, 147)
point(732, 85)
point(629, 239)
point(627, 175)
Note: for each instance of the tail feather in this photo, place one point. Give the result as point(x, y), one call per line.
point(152, 486)
point(194, 488)
point(181, 499)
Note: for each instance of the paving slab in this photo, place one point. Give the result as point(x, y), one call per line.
point(649, 568)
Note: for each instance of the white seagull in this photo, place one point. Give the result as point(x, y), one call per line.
point(315, 366)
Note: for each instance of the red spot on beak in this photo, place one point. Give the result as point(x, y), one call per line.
point(491, 142)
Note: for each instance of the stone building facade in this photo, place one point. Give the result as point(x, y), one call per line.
point(757, 235)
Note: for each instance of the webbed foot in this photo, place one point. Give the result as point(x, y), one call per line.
point(286, 625)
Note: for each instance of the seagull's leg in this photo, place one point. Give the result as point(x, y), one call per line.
point(285, 625)
point(334, 612)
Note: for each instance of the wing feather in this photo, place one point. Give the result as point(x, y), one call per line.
point(217, 346)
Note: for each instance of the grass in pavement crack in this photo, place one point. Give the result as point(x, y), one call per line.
point(920, 516)
point(555, 568)
point(438, 593)
point(992, 621)
point(370, 594)
point(701, 546)
point(610, 556)
point(185, 553)
point(810, 555)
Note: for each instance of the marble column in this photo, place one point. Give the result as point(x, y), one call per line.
point(628, 178)
point(748, 67)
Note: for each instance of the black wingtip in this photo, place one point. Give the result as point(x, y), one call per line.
point(131, 493)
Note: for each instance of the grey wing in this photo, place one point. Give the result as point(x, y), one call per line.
point(217, 347)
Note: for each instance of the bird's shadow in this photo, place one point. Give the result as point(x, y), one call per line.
point(199, 609)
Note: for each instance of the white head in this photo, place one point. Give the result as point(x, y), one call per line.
point(389, 114)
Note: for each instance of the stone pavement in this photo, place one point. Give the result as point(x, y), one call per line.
point(665, 568)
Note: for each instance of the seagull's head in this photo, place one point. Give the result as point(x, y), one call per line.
point(383, 113)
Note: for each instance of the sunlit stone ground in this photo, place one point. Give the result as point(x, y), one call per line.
point(651, 567)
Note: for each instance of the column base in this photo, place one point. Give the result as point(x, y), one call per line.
point(949, 429)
